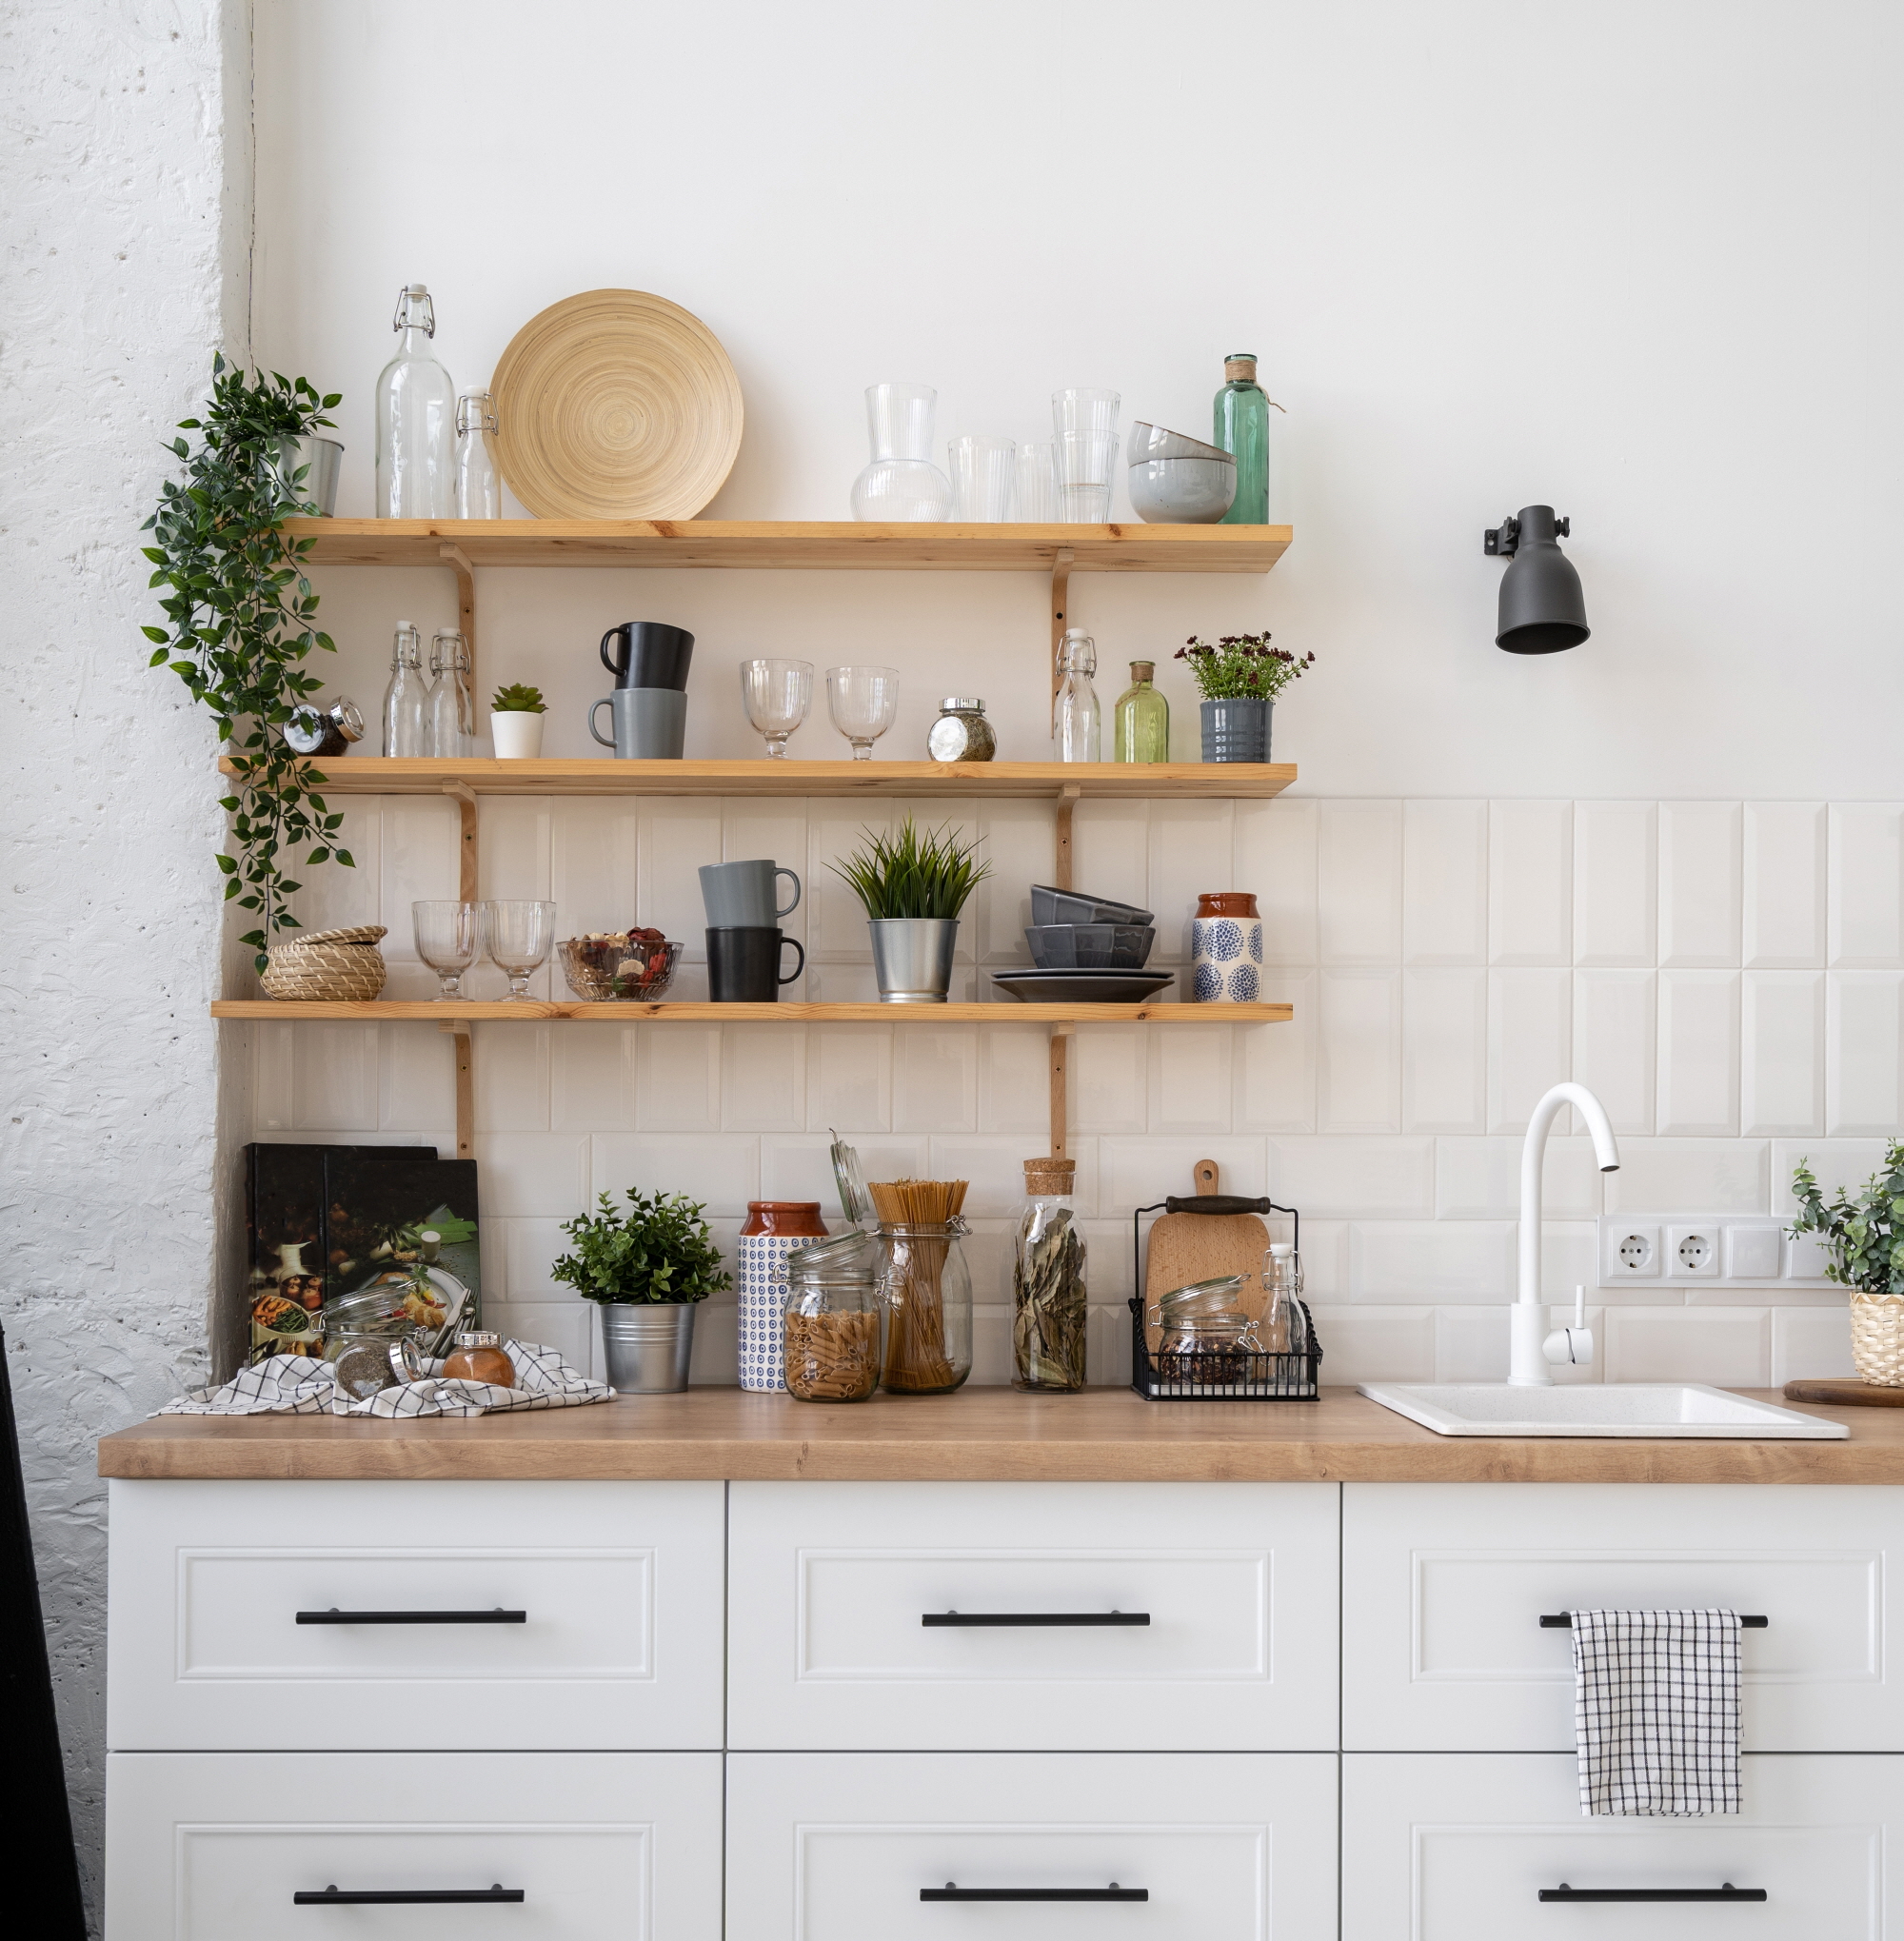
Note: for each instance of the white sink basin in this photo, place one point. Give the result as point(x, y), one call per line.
point(1482, 1408)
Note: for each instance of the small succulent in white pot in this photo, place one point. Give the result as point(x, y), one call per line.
point(515, 721)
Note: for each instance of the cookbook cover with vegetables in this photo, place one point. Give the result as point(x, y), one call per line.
point(401, 1243)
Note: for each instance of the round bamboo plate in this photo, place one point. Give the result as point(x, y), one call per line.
point(616, 404)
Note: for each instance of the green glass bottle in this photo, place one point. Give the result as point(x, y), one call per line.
point(1143, 720)
point(1242, 430)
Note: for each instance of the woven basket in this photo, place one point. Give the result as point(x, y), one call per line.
point(326, 965)
point(1877, 1337)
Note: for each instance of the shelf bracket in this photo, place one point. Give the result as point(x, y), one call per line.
point(1060, 860)
point(1061, 597)
point(467, 848)
point(1060, 1088)
point(459, 1031)
point(465, 599)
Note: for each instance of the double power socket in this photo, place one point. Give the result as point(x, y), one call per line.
point(1744, 1251)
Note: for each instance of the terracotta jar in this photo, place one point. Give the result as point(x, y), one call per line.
point(478, 1357)
point(785, 1219)
point(774, 1230)
point(1226, 949)
point(1226, 903)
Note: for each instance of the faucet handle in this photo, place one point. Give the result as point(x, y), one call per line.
point(1571, 1347)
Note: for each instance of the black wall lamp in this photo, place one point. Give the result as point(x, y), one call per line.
point(1542, 609)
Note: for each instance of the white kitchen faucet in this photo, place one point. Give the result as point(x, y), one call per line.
point(1532, 1348)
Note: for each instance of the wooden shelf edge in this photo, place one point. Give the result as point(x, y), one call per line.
point(455, 1011)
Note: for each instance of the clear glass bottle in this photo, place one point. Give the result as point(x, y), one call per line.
point(416, 420)
point(1076, 721)
point(451, 714)
point(929, 1308)
point(1048, 1293)
point(1283, 1289)
point(406, 699)
point(1241, 415)
point(1142, 719)
point(479, 491)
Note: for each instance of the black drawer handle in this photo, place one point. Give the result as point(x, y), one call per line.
point(1727, 1892)
point(405, 1897)
point(1114, 1892)
point(1561, 1620)
point(968, 1620)
point(336, 1616)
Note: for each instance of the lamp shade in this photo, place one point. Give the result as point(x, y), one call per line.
point(1542, 609)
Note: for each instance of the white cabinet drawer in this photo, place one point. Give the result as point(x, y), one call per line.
point(1449, 1847)
point(1444, 1586)
point(840, 1846)
point(619, 1587)
point(832, 1583)
point(213, 1846)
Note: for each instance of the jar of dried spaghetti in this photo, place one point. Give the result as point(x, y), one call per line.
point(832, 1320)
point(929, 1306)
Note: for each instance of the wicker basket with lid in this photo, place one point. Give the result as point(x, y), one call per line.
point(326, 966)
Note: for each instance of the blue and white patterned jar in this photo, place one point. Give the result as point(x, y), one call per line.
point(774, 1228)
point(1226, 949)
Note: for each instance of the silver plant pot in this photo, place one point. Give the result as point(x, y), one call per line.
point(321, 459)
point(912, 958)
point(648, 1345)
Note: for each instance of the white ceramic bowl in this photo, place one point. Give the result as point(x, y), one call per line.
point(1153, 441)
point(1183, 491)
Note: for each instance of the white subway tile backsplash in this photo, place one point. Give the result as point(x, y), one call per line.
point(593, 1078)
point(678, 835)
point(416, 1079)
point(1325, 1259)
point(1615, 884)
point(1015, 1080)
point(763, 1077)
point(1810, 1343)
point(566, 1327)
point(538, 1173)
point(1275, 848)
point(510, 1066)
point(936, 1077)
point(529, 1248)
point(801, 1166)
point(1727, 1347)
point(1108, 1079)
point(1479, 1178)
point(1681, 1176)
point(1134, 1172)
point(1444, 882)
point(1191, 851)
point(1359, 1066)
point(347, 895)
point(1570, 1254)
point(1781, 1052)
point(1529, 883)
point(1275, 1065)
point(1865, 928)
point(1016, 842)
point(1700, 883)
point(1375, 1343)
point(334, 1073)
point(1359, 883)
point(720, 1170)
point(1431, 1261)
point(1110, 857)
point(849, 1077)
point(512, 852)
point(1785, 875)
point(1529, 1014)
point(1834, 1162)
point(1192, 1077)
point(594, 869)
point(993, 1163)
point(1470, 1343)
point(1864, 1085)
point(677, 1077)
point(1373, 1179)
point(1614, 1015)
point(421, 838)
point(1444, 1051)
point(1698, 1053)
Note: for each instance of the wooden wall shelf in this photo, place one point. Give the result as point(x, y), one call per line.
point(457, 1011)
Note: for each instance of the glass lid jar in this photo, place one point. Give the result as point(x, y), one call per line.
point(962, 733)
point(832, 1319)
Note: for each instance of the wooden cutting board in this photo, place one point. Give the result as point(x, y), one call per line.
point(1198, 1246)
point(1841, 1391)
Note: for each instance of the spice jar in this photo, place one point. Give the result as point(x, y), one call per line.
point(962, 733)
point(1204, 1335)
point(478, 1357)
point(362, 1364)
point(1048, 1300)
point(313, 730)
point(832, 1320)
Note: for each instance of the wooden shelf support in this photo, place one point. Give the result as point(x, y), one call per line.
point(1060, 844)
point(1060, 1088)
point(1061, 562)
point(468, 856)
point(465, 600)
point(458, 1031)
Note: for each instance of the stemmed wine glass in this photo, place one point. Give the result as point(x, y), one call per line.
point(520, 936)
point(447, 938)
point(776, 695)
point(862, 701)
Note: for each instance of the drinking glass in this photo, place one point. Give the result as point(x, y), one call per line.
point(776, 695)
point(1087, 462)
point(1095, 412)
point(862, 701)
point(983, 482)
point(447, 938)
point(519, 936)
point(1037, 500)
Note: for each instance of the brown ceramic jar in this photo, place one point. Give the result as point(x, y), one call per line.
point(796, 1219)
point(1227, 904)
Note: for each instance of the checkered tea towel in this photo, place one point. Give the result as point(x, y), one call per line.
point(1655, 1711)
point(297, 1385)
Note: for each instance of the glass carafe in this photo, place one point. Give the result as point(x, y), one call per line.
point(452, 707)
point(1077, 722)
point(416, 420)
point(902, 484)
point(928, 1290)
point(479, 492)
point(1048, 1297)
point(406, 699)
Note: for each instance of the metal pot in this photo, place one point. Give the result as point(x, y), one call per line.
point(325, 458)
point(1236, 730)
point(648, 1345)
point(912, 958)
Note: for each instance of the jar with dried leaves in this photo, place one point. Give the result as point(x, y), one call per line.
point(1048, 1293)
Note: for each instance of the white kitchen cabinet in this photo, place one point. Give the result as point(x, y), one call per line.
point(213, 1846)
point(840, 1847)
point(1444, 1586)
point(834, 1586)
point(620, 1587)
point(1459, 1846)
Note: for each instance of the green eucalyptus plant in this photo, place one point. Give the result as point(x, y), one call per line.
point(913, 873)
point(240, 624)
point(1863, 1236)
point(660, 1250)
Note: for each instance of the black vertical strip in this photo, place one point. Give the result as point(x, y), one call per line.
point(37, 1840)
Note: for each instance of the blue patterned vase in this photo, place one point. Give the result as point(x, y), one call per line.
point(762, 1286)
point(1226, 949)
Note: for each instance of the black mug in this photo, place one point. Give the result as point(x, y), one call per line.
point(744, 964)
point(647, 653)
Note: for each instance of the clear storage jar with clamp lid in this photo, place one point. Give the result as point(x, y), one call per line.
point(962, 733)
point(832, 1319)
point(1205, 1336)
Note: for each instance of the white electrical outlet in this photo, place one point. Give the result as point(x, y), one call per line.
point(1630, 1251)
point(1693, 1251)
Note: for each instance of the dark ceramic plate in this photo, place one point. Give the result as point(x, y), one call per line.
point(1073, 906)
point(1084, 986)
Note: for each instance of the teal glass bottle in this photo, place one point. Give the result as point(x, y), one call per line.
point(1242, 430)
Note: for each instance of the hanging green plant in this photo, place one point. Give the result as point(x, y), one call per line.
point(240, 613)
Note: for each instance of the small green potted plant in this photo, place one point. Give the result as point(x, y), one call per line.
point(515, 720)
point(1240, 678)
point(1864, 1251)
point(646, 1269)
point(913, 884)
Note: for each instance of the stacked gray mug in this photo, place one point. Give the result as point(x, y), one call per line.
point(649, 659)
point(744, 940)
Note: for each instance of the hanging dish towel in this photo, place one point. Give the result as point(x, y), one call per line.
point(297, 1385)
point(1655, 1711)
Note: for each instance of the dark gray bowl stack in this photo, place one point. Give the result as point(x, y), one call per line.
point(1071, 931)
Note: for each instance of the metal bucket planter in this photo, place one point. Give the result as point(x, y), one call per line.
point(648, 1345)
point(912, 958)
point(1236, 730)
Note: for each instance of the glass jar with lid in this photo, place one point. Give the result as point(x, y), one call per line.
point(1048, 1296)
point(928, 1307)
point(962, 733)
point(313, 730)
point(481, 1357)
point(1204, 1335)
point(832, 1319)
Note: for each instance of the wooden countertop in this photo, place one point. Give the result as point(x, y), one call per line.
point(1106, 1435)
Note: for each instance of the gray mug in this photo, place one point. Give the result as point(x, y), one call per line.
point(650, 723)
point(742, 895)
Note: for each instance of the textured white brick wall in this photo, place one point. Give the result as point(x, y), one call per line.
point(125, 260)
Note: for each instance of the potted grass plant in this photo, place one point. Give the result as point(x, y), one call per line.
point(1240, 678)
point(1863, 1237)
point(914, 883)
point(646, 1269)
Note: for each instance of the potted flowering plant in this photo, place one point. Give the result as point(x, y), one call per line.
point(1240, 678)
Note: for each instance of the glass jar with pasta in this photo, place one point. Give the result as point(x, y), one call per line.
point(833, 1315)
